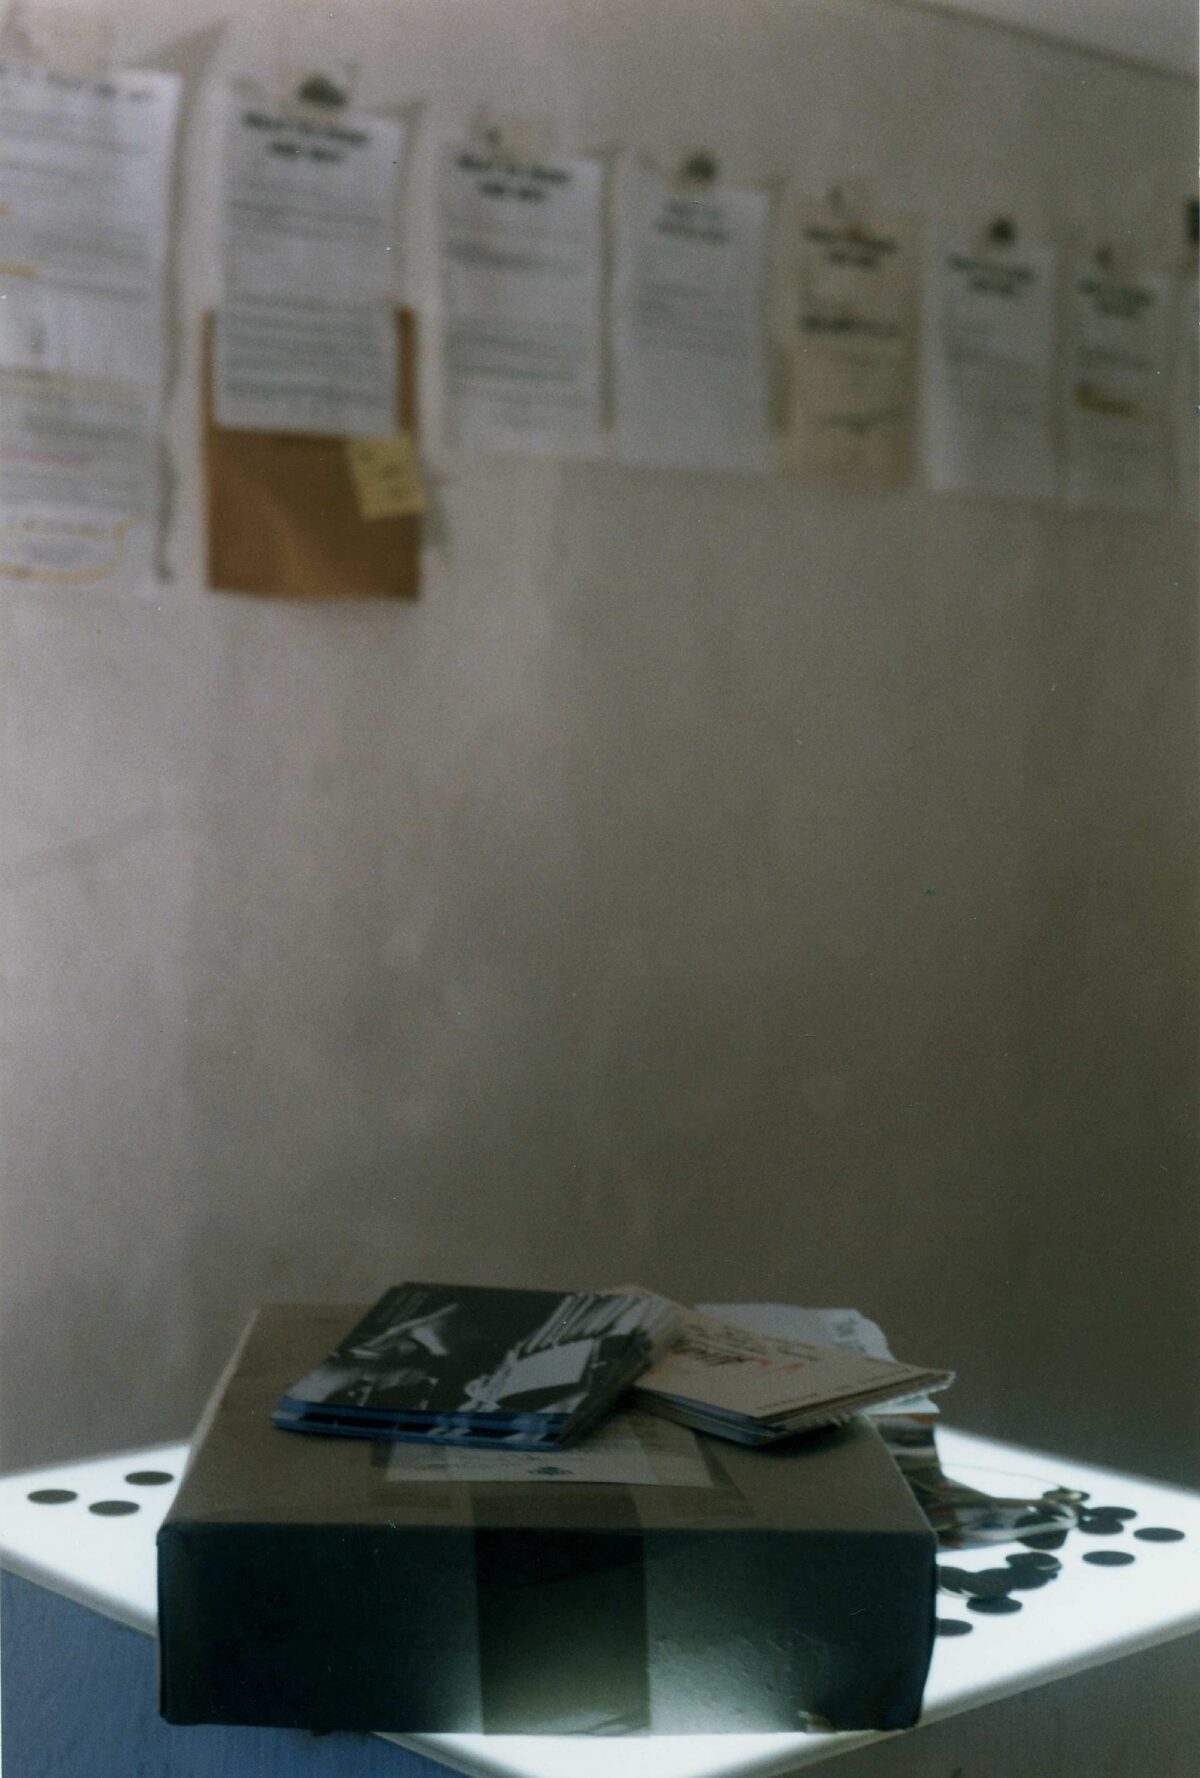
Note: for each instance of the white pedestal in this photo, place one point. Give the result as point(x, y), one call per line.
point(1077, 1684)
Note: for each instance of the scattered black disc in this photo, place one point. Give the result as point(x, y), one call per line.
point(997, 1604)
point(1097, 1527)
point(1044, 1540)
point(1113, 1512)
point(953, 1580)
point(113, 1509)
point(1108, 1558)
point(149, 1478)
point(52, 1496)
point(1035, 1559)
point(1159, 1534)
point(952, 1626)
point(985, 1583)
point(1028, 1580)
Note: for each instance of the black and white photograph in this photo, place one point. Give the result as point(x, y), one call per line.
point(435, 1349)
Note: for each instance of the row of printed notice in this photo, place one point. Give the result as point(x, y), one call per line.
point(988, 366)
point(583, 311)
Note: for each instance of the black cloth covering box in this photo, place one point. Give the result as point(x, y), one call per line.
point(300, 1586)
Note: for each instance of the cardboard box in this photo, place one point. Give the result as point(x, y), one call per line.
point(300, 1585)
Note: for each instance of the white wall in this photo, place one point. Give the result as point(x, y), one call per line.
point(756, 893)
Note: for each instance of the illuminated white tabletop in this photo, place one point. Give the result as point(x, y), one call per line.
point(1087, 1615)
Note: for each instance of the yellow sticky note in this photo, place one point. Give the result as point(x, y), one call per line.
point(386, 476)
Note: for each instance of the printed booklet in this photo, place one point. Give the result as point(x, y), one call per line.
point(755, 1388)
point(469, 1364)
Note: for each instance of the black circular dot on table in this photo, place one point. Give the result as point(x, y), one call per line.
point(1109, 1558)
point(1159, 1534)
point(149, 1478)
point(1101, 1527)
point(113, 1509)
point(995, 1604)
point(952, 1626)
point(953, 1580)
point(1113, 1512)
point(1035, 1559)
point(1028, 1580)
point(990, 1582)
point(1044, 1540)
point(52, 1496)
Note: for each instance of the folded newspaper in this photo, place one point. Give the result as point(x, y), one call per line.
point(755, 1388)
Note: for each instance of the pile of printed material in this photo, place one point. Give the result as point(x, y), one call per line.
point(536, 1512)
point(535, 1370)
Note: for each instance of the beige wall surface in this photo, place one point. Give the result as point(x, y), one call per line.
point(758, 893)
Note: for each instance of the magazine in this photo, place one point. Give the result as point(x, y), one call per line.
point(479, 1365)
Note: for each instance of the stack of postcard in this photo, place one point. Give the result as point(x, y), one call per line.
point(755, 1389)
point(533, 1370)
